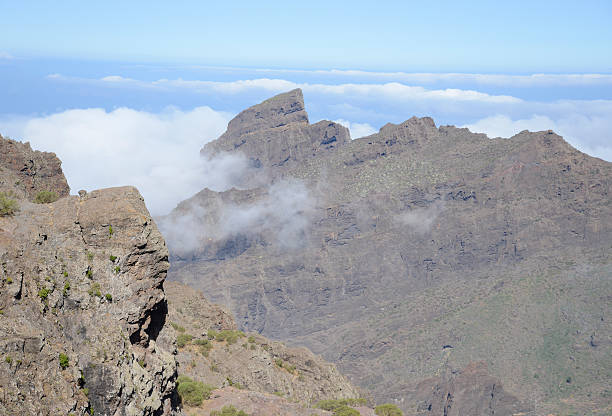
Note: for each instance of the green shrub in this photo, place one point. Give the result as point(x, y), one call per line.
point(251, 339)
point(232, 383)
point(229, 336)
point(94, 290)
point(109, 297)
point(177, 327)
point(112, 258)
point(66, 288)
point(46, 197)
point(110, 231)
point(228, 411)
point(63, 361)
point(65, 274)
point(117, 269)
point(89, 273)
point(346, 411)
point(205, 346)
point(183, 339)
point(8, 359)
point(388, 409)
point(43, 293)
point(8, 205)
point(9, 280)
point(282, 364)
point(192, 393)
point(341, 407)
point(211, 334)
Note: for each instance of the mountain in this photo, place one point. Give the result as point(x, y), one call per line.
point(89, 326)
point(417, 256)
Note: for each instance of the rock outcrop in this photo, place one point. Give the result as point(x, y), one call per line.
point(276, 133)
point(27, 172)
point(81, 299)
point(471, 391)
point(416, 238)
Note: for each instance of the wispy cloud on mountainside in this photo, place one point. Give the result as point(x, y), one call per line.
point(420, 220)
point(282, 213)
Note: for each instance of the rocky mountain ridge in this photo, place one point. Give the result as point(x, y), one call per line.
point(418, 250)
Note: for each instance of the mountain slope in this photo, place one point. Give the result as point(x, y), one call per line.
point(414, 251)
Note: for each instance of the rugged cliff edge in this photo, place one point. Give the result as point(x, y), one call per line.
point(412, 252)
point(81, 298)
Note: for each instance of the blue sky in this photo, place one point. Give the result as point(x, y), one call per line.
point(442, 36)
point(128, 92)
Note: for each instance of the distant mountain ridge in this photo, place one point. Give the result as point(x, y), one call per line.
point(419, 249)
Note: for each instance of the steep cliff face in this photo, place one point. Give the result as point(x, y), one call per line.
point(81, 300)
point(413, 239)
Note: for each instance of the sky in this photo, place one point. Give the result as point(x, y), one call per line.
point(128, 92)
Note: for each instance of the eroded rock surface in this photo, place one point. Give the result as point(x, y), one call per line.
point(413, 239)
point(81, 302)
point(471, 391)
point(27, 172)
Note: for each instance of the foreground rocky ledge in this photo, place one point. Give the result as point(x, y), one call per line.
point(82, 304)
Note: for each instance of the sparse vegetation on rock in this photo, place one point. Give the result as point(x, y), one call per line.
point(193, 393)
point(8, 205)
point(63, 361)
point(228, 411)
point(46, 197)
point(388, 409)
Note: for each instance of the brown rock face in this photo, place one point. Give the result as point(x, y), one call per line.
point(82, 304)
point(471, 391)
point(28, 172)
point(276, 133)
point(416, 238)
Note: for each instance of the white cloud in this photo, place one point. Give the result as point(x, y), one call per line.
point(157, 153)
point(357, 129)
point(420, 220)
point(529, 80)
point(589, 134)
point(283, 213)
point(117, 78)
point(390, 91)
point(6, 56)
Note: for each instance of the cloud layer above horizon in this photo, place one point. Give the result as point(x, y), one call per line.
point(155, 147)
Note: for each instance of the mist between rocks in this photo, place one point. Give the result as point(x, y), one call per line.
point(420, 220)
point(279, 213)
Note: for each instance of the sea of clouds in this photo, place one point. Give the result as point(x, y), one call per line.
point(158, 151)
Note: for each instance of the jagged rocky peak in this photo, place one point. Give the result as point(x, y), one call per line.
point(277, 111)
point(26, 172)
point(277, 133)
